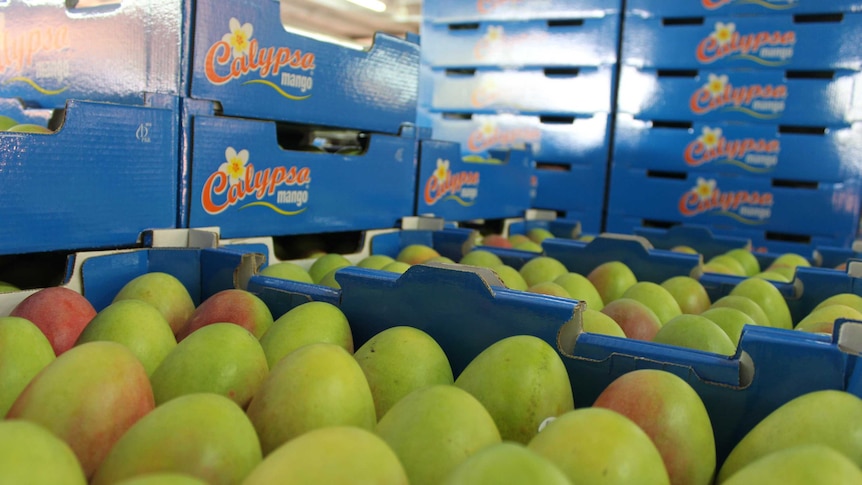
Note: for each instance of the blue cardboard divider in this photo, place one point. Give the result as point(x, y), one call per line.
point(52, 53)
point(107, 174)
point(576, 187)
point(456, 189)
point(461, 10)
point(745, 149)
point(675, 8)
point(648, 264)
point(828, 210)
point(755, 42)
point(700, 238)
point(537, 42)
point(770, 367)
point(237, 177)
point(542, 90)
point(245, 59)
point(747, 96)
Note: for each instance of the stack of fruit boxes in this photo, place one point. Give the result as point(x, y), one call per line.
point(742, 117)
point(100, 89)
point(251, 82)
point(541, 74)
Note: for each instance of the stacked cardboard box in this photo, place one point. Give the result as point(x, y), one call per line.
point(499, 75)
point(741, 117)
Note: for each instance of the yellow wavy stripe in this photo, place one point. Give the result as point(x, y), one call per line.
point(745, 166)
point(278, 89)
point(768, 5)
point(754, 114)
point(459, 200)
point(34, 85)
point(274, 208)
point(739, 218)
point(758, 60)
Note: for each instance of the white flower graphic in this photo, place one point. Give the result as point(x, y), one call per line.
point(715, 84)
point(442, 171)
point(723, 32)
point(710, 137)
point(239, 37)
point(234, 167)
point(704, 188)
point(494, 33)
point(488, 128)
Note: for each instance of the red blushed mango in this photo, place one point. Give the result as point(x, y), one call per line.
point(416, 254)
point(60, 313)
point(673, 415)
point(88, 397)
point(636, 320)
point(232, 306)
point(497, 241)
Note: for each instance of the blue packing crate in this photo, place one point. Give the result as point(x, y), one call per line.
point(776, 97)
point(751, 42)
point(461, 10)
point(698, 8)
point(744, 149)
point(108, 173)
point(522, 43)
point(245, 59)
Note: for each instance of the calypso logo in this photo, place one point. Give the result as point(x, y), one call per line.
point(237, 55)
point(769, 4)
point(18, 50)
point(766, 48)
point(490, 136)
point(755, 155)
point(741, 205)
point(488, 6)
point(485, 94)
point(495, 41)
point(763, 101)
point(462, 187)
point(236, 179)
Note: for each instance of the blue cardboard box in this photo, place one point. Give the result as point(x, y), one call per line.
point(746, 149)
point(461, 10)
point(829, 211)
point(554, 139)
point(696, 8)
point(525, 91)
point(590, 41)
point(775, 97)
point(576, 189)
point(108, 173)
point(52, 52)
point(756, 42)
point(237, 177)
point(456, 189)
point(245, 59)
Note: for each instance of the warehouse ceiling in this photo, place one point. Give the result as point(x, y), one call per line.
point(347, 21)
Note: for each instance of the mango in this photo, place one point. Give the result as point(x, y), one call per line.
point(204, 435)
point(812, 464)
point(165, 292)
point(24, 351)
point(597, 445)
point(673, 415)
point(60, 313)
point(399, 360)
point(434, 429)
point(827, 417)
point(521, 381)
point(236, 306)
point(311, 322)
point(89, 397)
point(31, 454)
point(506, 462)
point(314, 386)
point(335, 454)
point(222, 358)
